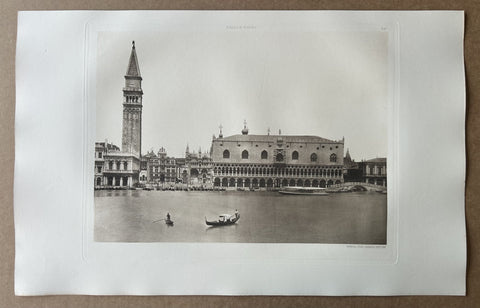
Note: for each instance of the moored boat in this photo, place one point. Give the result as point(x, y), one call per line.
point(307, 191)
point(224, 220)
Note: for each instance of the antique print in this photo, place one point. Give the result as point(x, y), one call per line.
point(240, 153)
point(242, 136)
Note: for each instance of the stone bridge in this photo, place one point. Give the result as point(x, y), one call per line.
point(356, 186)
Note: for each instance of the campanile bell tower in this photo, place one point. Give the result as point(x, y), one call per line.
point(132, 107)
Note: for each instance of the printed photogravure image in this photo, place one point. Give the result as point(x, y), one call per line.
point(242, 135)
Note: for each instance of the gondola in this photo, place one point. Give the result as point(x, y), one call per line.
point(224, 220)
point(169, 222)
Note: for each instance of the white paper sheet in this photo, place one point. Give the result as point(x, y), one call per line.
point(55, 133)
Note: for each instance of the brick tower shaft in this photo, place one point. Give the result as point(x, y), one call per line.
point(132, 107)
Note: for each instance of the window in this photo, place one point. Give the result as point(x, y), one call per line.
point(333, 158)
point(226, 154)
point(99, 154)
point(99, 170)
point(379, 170)
point(295, 155)
point(279, 157)
point(118, 165)
point(245, 154)
point(125, 165)
point(313, 157)
point(110, 165)
point(264, 154)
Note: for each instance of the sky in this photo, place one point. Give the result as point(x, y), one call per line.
point(331, 84)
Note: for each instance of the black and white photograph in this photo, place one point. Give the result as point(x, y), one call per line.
point(240, 153)
point(242, 135)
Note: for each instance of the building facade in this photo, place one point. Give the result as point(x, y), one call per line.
point(267, 161)
point(160, 168)
point(101, 150)
point(375, 171)
point(198, 169)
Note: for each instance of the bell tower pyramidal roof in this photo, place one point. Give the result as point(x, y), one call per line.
point(133, 70)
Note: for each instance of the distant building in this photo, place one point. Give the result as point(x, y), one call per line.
point(158, 168)
point(352, 170)
point(267, 161)
point(375, 171)
point(197, 169)
point(101, 150)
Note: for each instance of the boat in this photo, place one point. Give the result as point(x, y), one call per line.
point(224, 220)
point(168, 221)
point(307, 191)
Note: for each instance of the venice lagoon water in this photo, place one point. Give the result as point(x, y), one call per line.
point(266, 217)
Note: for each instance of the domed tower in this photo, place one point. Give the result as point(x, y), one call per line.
point(132, 107)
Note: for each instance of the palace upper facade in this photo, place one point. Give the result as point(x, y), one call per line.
point(248, 161)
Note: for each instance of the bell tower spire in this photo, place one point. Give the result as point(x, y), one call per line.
point(132, 107)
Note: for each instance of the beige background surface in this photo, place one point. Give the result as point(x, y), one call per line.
point(8, 20)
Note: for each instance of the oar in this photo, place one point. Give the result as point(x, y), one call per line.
point(158, 220)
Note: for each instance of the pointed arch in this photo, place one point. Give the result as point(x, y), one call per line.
point(264, 154)
point(226, 154)
point(295, 155)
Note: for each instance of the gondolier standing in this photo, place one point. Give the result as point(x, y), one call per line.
point(236, 213)
point(168, 216)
